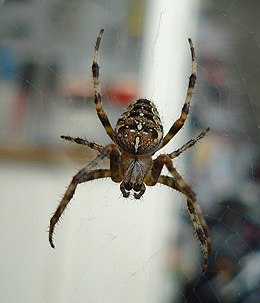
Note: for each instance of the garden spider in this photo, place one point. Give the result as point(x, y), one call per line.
point(137, 136)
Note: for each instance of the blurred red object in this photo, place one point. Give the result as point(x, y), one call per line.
point(77, 87)
point(122, 92)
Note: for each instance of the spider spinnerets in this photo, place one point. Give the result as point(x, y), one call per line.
point(137, 136)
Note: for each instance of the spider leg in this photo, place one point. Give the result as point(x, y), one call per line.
point(203, 223)
point(95, 73)
point(96, 174)
point(78, 140)
point(189, 144)
point(179, 184)
point(186, 107)
point(169, 181)
point(85, 174)
point(199, 230)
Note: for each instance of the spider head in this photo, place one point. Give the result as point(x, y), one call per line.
point(135, 186)
point(134, 170)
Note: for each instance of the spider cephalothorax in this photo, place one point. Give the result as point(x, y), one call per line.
point(137, 136)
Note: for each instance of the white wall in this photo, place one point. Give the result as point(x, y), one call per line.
point(105, 250)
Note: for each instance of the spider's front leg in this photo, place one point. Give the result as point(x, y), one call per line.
point(84, 175)
point(97, 98)
point(186, 107)
point(177, 182)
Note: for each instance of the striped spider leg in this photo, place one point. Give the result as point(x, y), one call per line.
point(85, 142)
point(84, 175)
point(177, 182)
point(137, 136)
point(178, 124)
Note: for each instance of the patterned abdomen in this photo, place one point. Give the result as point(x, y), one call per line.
point(139, 130)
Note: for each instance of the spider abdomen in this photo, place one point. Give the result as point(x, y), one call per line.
point(139, 130)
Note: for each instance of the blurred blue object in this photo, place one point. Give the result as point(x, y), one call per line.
point(7, 63)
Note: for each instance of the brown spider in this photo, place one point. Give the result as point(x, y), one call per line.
point(137, 136)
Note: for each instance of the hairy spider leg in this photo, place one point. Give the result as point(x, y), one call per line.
point(95, 73)
point(85, 142)
point(96, 174)
point(172, 155)
point(186, 107)
point(189, 144)
point(170, 182)
point(203, 223)
point(179, 184)
point(85, 174)
point(176, 154)
point(199, 230)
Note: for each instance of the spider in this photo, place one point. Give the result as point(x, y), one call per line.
point(137, 136)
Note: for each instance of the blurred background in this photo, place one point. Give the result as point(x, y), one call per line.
point(110, 249)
